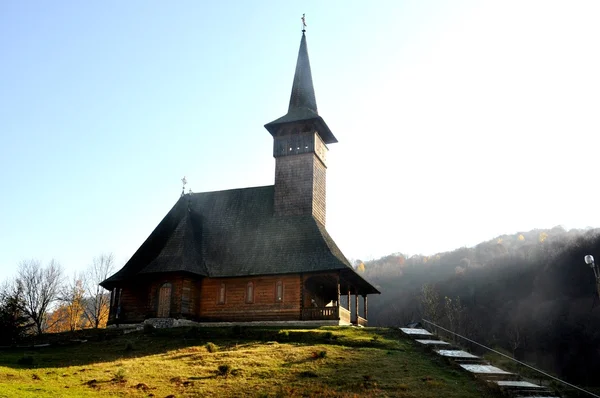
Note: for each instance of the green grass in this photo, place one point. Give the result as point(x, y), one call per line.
point(251, 362)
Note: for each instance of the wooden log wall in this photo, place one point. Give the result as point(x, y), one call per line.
point(264, 307)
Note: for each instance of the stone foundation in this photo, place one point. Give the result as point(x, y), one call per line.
point(161, 323)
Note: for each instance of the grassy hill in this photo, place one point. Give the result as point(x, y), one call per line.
point(233, 362)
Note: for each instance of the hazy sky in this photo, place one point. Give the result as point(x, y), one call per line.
point(457, 121)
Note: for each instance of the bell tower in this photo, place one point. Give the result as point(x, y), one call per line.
point(300, 140)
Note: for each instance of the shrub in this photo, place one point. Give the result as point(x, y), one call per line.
point(328, 335)
point(210, 347)
point(319, 355)
point(224, 370)
point(119, 376)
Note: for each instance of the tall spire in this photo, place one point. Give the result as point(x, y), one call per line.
point(303, 103)
point(302, 100)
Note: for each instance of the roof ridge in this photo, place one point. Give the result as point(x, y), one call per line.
point(230, 190)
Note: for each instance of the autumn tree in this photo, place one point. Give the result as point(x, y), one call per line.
point(98, 299)
point(72, 299)
point(40, 288)
point(57, 321)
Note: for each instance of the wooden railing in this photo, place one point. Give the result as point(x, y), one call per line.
point(330, 313)
point(344, 315)
point(319, 313)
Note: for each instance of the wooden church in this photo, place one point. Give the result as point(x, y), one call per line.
point(250, 254)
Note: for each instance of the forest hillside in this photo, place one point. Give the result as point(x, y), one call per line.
point(530, 294)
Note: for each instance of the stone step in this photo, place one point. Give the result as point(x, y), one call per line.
point(520, 386)
point(432, 343)
point(488, 372)
point(508, 382)
point(473, 361)
point(416, 332)
point(456, 354)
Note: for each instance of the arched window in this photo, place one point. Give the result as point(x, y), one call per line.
point(221, 297)
point(250, 293)
point(186, 294)
point(279, 292)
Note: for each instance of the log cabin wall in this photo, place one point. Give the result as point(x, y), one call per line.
point(185, 296)
point(140, 301)
point(133, 303)
point(264, 306)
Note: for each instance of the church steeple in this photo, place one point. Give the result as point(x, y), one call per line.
point(303, 103)
point(300, 141)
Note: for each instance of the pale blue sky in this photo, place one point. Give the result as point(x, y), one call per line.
point(457, 120)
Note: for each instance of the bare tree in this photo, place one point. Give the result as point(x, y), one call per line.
point(40, 286)
point(430, 303)
point(514, 336)
point(97, 306)
point(455, 313)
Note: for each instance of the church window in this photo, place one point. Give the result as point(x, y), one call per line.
point(250, 293)
point(279, 292)
point(221, 298)
point(185, 300)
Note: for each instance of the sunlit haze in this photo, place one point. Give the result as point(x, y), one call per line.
point(457, 121)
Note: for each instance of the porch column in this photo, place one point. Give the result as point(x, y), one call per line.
point(118, 300)
point(337, 303)
point(349, 306)
point(366, 307)
point(356, 307)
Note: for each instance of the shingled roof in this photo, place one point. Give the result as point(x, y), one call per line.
point(234, 233)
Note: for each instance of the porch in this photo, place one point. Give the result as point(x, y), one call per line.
point(323, 297)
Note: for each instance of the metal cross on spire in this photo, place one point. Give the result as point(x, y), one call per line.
point(183, 181)
point(303, 23)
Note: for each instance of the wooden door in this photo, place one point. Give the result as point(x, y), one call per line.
point(164, 301)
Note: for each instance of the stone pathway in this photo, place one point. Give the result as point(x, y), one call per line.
point(509, 383)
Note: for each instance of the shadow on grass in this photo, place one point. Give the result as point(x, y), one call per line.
point(108, 345)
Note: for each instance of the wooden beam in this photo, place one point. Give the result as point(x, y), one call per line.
point(356, 307)
point(338, 294)
point(349, 306)
point(366, 307)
